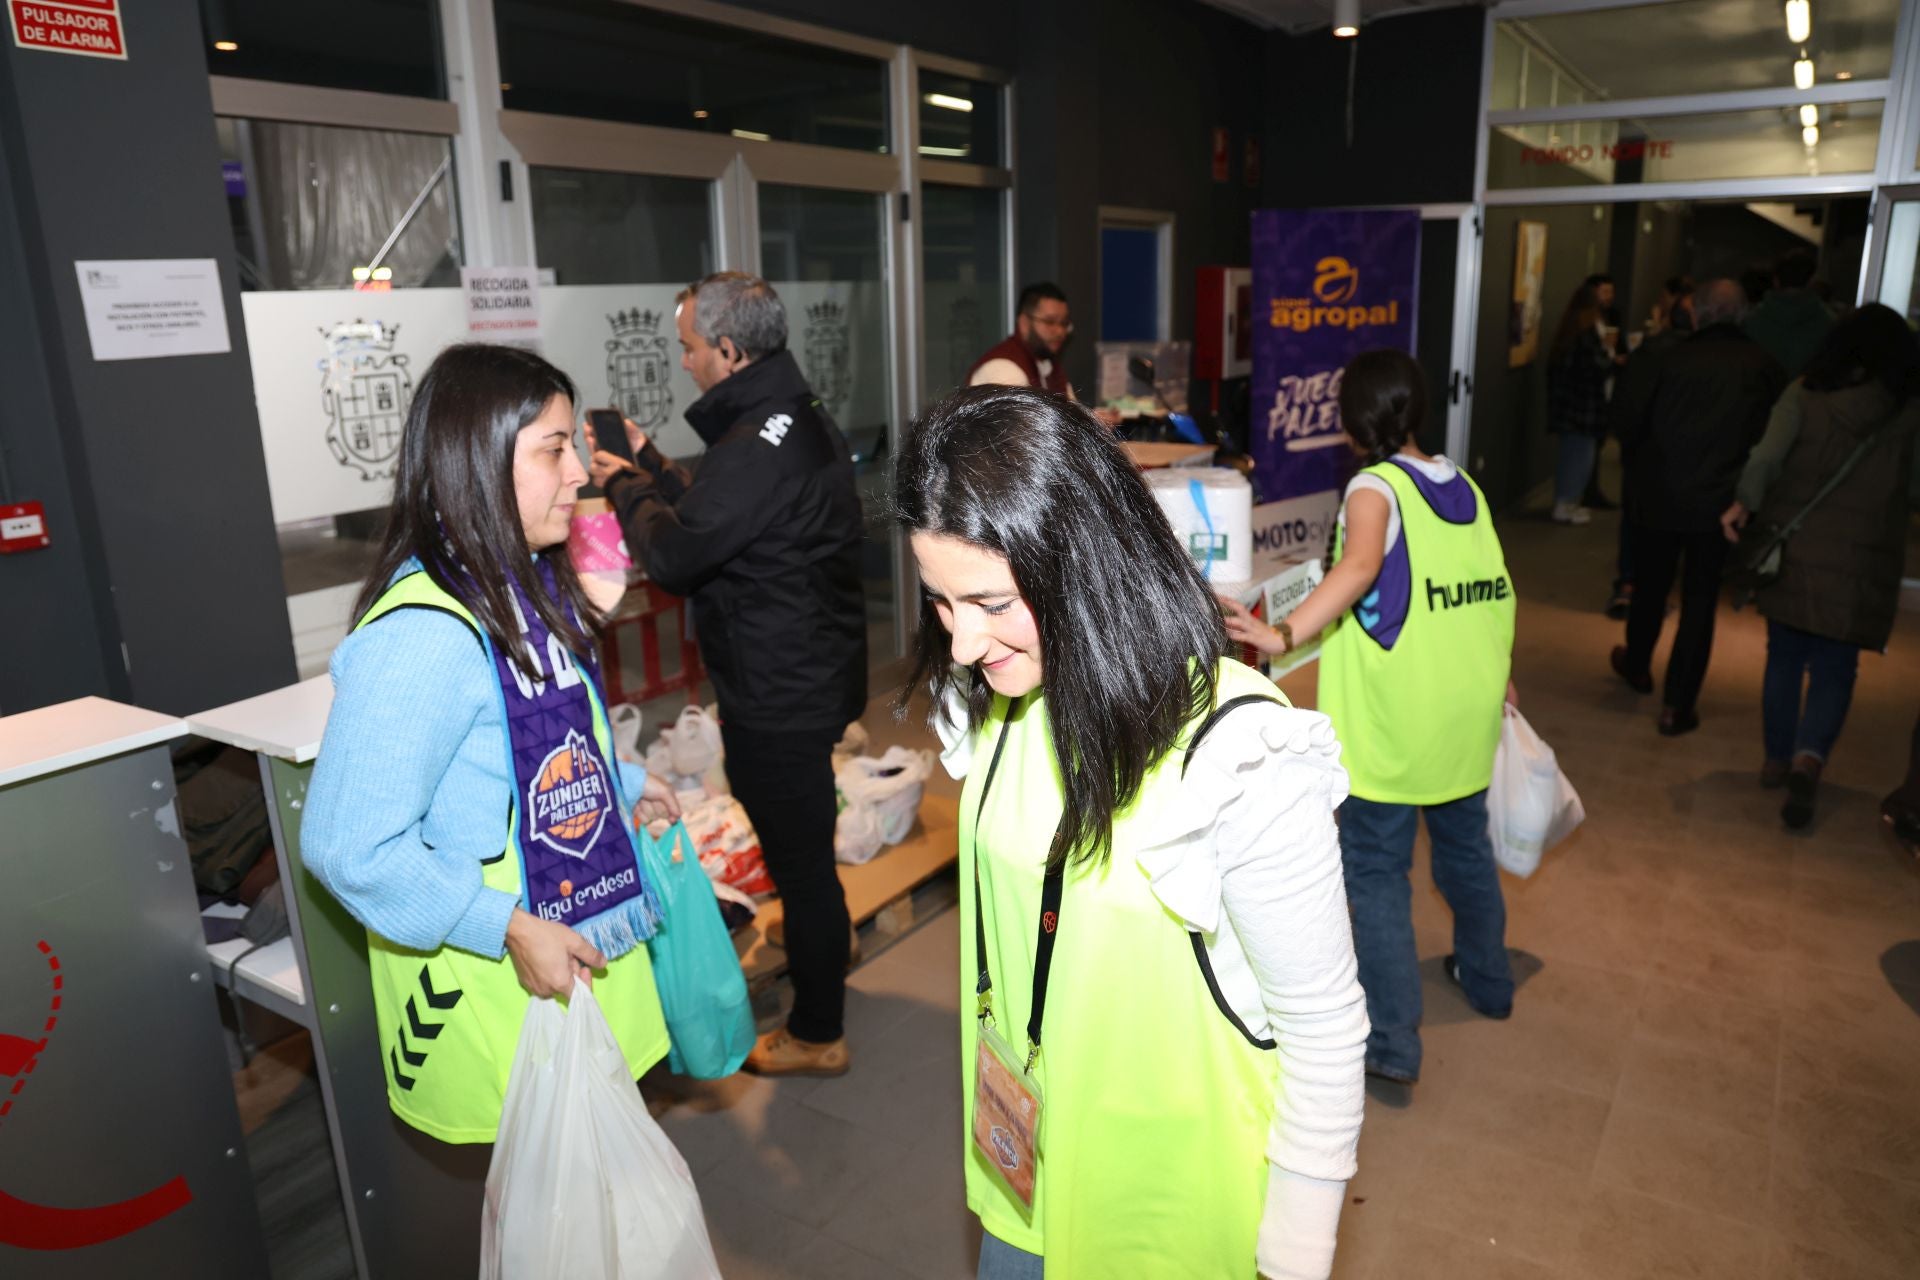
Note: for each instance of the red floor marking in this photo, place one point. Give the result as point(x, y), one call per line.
point(37, 1226)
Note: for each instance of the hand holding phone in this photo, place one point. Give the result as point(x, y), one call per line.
point(610, 433)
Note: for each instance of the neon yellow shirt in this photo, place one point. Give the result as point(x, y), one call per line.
point(1414, 674)
point(1152, 1147)
point(449, 1020)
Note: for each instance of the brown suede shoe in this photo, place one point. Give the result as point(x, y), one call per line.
point(779, 1054)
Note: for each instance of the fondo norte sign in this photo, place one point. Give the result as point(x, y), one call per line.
point(1331, 283)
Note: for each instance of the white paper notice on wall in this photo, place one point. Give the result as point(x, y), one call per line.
point(503, 305)
point(144, 308)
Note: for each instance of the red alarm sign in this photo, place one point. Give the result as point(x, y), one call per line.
point(23, 527)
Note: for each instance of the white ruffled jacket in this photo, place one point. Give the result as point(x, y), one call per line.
point(1252, 863)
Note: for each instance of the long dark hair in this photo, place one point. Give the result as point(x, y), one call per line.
point(1583, 309)
point(1383, 402)
point(1873, 344)
point(1129, 631)
point(453, 497)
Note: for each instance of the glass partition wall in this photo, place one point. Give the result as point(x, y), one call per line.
point(624, 149)
point(1643, 140)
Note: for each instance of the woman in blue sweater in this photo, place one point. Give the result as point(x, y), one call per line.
point(466, 804)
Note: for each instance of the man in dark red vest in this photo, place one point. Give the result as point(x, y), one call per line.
point(1030, 357)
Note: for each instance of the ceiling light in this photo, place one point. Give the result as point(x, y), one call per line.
point(1799, 20)
point(948, 101)
point(1809, 115)
point(751, 136)
point(506, 86)
point(1810, 135)
point(1843, 75)
point(226, 46)
point(700, 115)
point(1803, 73)
point(1346, 18)
point(957, 153)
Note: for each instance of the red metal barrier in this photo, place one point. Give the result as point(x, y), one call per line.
point(657, 621)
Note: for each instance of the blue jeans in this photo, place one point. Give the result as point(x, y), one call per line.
point(1574, 465)
point(1001, 1261)
point(1376, 846)
point(1828, 668)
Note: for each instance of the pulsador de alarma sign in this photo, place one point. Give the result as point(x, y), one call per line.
point(90, 28)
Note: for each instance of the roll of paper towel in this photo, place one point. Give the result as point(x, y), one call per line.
point(1211, 511)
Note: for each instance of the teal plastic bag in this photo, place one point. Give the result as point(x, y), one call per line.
point(702, 991)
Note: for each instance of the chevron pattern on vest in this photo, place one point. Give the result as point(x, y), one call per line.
point(422, 1030)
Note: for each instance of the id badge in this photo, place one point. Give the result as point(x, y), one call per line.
point(1006, 1114)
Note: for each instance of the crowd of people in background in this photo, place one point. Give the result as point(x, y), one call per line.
point(1768, 435)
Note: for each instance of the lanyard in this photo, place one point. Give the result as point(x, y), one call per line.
point(1051, 887)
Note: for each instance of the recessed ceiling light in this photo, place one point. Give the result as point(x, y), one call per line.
point(226, 46)
point(1843, 75)
point(700, 115)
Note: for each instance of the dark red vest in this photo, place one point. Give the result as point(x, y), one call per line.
point(1015, 350)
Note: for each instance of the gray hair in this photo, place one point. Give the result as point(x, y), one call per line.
point(743, 307)
point(1719, 302)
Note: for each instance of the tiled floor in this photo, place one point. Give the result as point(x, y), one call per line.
point(1712, 1070)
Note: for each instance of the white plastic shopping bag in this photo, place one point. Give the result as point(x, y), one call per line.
point(583, 1183)
point(1531, 806)
point(890, 785)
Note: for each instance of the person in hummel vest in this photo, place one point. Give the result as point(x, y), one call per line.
point(1162, 813)
point(764, 536)
point(1413, 675)
point(466, 805)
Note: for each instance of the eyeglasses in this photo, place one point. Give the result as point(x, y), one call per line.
point(1065, 326)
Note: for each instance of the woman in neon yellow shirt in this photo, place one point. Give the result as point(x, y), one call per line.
point(1151, 879)
point(1412, 674)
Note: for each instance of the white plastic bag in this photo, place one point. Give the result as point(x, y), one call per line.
point(623, 718)
point(856, 834)
point(1530, 806)
point(694, 741)
point(889, 785)
point(584, 1184)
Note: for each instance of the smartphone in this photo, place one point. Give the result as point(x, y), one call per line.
point(610, 433)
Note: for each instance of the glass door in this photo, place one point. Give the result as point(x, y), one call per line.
point(966, 308)
point(620, 247)
point(826, 253)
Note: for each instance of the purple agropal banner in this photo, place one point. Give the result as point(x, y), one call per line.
point(1327, 285)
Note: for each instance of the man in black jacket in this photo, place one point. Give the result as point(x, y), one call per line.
point(1685, 429)
point(765, 539)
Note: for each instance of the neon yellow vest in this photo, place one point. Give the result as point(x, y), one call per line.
point(1417, 704)
point(1152, 1157)
point(449, 1019)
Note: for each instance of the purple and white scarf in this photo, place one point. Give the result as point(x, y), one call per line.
point(578, 863)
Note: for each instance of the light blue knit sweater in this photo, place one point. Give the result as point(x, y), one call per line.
point(410, 792)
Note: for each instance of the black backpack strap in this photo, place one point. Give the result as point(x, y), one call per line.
point(1200, 957)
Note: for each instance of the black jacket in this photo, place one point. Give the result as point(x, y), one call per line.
point(1686, 426)
point(764, 537)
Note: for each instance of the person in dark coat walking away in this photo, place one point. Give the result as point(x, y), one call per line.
point(765, 538)
point(1578, 367)
point(1839, 583)
point(1670, 324)
point(1686, 432)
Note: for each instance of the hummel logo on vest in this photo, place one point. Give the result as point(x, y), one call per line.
point(776, 429)
point(1466, 592)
